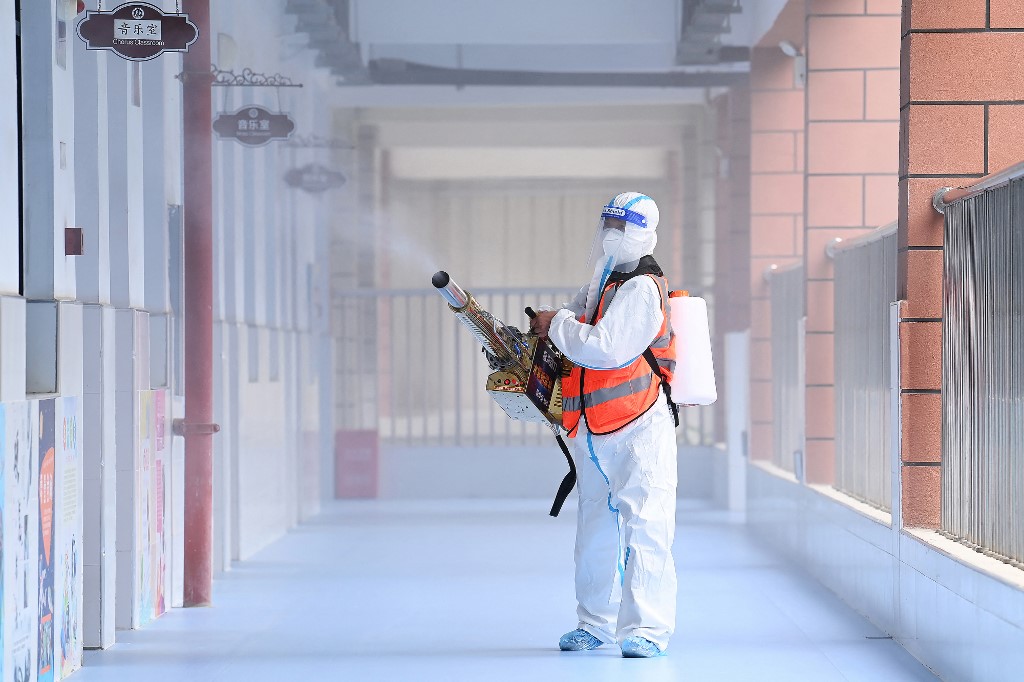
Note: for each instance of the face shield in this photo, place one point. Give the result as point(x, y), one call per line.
point(621, 239)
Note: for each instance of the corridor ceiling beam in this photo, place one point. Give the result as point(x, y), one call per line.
point(401, 72)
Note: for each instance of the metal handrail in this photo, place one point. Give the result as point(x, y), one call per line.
point(787, 362)
point(864, 288)
point(839, 244)
point(776, 269)
point(982, 380)
point(949, 195)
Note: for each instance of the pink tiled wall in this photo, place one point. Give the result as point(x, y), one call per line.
point(732, 225)
point(852, 127)
point(961, 91)
point(776, 213)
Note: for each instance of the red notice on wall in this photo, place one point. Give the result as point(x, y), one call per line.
point(356, 455)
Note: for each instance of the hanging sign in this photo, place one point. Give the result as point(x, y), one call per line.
point(253, 126)
point(314, 178)
point(137, 31)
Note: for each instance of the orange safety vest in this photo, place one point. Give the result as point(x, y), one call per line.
point(612, 398)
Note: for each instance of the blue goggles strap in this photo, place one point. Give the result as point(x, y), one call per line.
point(624, 214)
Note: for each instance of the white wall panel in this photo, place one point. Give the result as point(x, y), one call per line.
point(10, 252)
point(959, 613)
point(264, 458)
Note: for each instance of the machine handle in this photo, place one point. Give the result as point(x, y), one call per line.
point(530, 312)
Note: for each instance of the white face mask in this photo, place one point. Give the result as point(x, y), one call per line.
point(611, 242)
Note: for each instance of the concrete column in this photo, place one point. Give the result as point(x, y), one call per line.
point(154, 218)
point(131, 375)
point(159, 190)
point(960, 95)
point(92, 173)
point(198, 203)
point(118, 102)
point(100, 531)
point(852, 129)
point(48, 161)
point(776, 206)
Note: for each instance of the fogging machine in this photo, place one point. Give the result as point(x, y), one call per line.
point(527, 378)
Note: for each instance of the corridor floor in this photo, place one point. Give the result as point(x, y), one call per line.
point(482, 590)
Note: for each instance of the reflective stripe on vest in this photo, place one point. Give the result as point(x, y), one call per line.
point(604, 395)
point(615, 397)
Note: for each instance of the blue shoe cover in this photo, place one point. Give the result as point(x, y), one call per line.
point(638, 647)
point(578, 640)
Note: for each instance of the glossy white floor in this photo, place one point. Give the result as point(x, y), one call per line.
point(482, 591)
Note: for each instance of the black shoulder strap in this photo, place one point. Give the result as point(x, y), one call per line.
point(568, 483)
point(653, 362)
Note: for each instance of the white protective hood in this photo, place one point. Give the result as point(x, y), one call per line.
point(626, 232)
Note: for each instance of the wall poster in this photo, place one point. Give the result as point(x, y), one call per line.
point(69, 583)
point(151, 507)
point(20, 622)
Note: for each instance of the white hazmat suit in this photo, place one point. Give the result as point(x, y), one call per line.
point(625, 574)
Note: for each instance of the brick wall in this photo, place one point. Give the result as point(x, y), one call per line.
point(852, 126)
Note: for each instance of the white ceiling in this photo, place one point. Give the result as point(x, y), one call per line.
point(516, 22)
point(540, 35)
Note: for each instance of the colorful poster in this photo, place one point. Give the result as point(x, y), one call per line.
point(68, 654)
point(20, 620)
point(47, 464)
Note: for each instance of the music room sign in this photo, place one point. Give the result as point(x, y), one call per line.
point(253, 126)
point(137, 31)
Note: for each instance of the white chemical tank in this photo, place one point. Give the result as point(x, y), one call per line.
point(694, 379)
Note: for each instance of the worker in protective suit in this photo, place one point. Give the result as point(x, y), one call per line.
point(620, 418)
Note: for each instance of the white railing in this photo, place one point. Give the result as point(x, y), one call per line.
point(409, 370)
point(788, 390)
point(982, 368)
point(865, 286)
